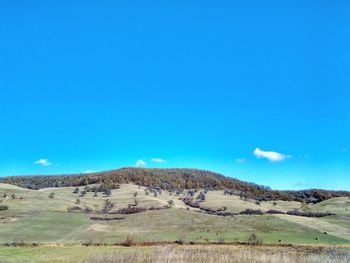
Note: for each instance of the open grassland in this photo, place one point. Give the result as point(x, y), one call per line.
point(174, 253)
point(33, 217)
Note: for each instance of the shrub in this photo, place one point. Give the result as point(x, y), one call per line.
point(3, 207)
point(221, 240)
point(252, 212)
point(181, 240)
point(131, 210)
point(170, 203)
point(87, 210)
point(108, 205)
point(309, 214)
point(253, 239)
point(274, 212)
point(51, 195)
point(128, 242)
point(74, 209)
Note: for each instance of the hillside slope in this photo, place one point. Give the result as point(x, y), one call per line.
point(172, 180)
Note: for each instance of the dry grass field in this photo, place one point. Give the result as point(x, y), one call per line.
point(33, 218)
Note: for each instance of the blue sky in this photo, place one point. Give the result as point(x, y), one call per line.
point(257, 90)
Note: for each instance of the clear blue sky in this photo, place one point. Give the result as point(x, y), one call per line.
point(202, 84)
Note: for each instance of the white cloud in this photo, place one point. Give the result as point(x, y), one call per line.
point(271, 156)
point(43, 162)
point(140, 163)
point(241, 160)
point(89, 171)
point(158, 160)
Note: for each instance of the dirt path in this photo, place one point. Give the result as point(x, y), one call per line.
point(319, 225)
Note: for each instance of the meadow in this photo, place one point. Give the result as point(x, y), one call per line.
point(37, 223)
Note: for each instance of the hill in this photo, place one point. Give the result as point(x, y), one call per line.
point(172, 180)
point(31, 215)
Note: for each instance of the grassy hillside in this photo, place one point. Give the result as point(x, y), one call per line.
point(35, 217)
point(172, 180)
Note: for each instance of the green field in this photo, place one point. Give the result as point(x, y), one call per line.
point(33, 217)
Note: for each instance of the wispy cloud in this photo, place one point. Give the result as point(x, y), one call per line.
point(89, 171)
point(43, 162)
point(241, 160)
point(299, 184)
point(344, 149)
point(270, 155)
point(140, 163)
point(158, 160)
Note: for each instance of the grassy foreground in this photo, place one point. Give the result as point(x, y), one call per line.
point(173, 253)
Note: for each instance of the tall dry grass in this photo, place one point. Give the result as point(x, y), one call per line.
point(225, 254)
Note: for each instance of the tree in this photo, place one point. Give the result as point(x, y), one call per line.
point(108, 192)
point(77, 201)
point(136, 202)
point(135, 194)
point(108, 205)
point(241, 195)
point(304, 204)
point(201, 197)
point(51, 195)
point(76, 190)
point(13, 196)
point(170, 203)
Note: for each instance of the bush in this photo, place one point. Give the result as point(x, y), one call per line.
point(221, 240)
point(128, 242)
point(74, 209)
point(170, 203)
point(253, 239)
point(309, 214)
point(131, 210)
point(252, 212)
point(3, 207)
point(274, 212)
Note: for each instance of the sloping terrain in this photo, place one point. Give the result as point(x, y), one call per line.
point(172, 180)
point(34, 217)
